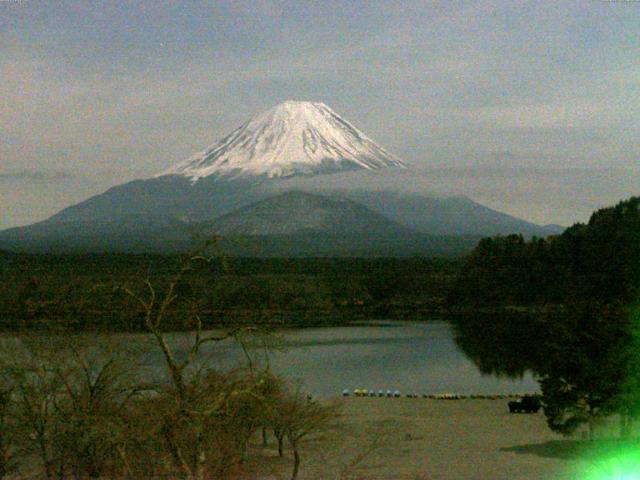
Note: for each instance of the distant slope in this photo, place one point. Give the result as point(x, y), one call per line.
point(447, 215)
point(292, 224)
point(164, 214)
point(299, 212)
point(161, 200)
point(299, 224)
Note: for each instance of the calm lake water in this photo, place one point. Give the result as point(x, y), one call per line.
point(409, 356)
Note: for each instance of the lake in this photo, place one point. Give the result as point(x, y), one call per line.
point(411, 357)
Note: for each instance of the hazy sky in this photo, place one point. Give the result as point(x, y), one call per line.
point(530, 107)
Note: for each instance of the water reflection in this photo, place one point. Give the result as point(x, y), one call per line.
point(412, 357)
point(506, 344)
point(408, 356)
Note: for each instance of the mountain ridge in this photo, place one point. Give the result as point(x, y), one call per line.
point(292, 138)
point(298, 212)
point(240, 182)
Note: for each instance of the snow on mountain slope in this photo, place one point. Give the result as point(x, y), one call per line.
point(293, 138)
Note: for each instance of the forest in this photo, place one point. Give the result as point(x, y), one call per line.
point(564, 308)
point(598, 261)
point(85, 292)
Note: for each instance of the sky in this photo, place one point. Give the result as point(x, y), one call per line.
point(532, 108)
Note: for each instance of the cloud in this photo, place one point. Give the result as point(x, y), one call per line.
point(116, 91)
point(35, 176)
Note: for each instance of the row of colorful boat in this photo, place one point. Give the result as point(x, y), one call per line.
point(363, 392)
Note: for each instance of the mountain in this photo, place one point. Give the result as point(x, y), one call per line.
point(301, 224)
point(300, 212)
point(248, 185)
point(290, 224)
point(293, 138)
point(457, 215)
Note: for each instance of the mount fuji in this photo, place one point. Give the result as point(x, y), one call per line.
point(293, 138)
point(298, 160)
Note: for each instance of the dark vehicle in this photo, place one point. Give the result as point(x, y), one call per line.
point(528, 404)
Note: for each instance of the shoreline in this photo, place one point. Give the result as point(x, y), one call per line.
point(470, 439)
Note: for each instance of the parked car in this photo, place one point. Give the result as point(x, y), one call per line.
point(527, 404)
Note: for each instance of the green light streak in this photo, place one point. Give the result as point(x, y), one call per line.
point(620, 464)
point(618, 459)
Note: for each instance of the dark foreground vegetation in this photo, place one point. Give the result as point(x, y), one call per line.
point(74, 409)
point(85, 413)
point(568, 312)
point(83, 292)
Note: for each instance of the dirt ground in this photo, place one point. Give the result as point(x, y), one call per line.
point(424, 439)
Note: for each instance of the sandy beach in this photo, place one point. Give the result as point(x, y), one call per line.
point(420, 439)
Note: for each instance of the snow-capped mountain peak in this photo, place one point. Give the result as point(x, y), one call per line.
point(293, 138)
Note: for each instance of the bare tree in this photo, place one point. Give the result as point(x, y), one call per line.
point(296, 416)
point(93, 408)
point(8, 454)
point(347, 471)
point(71, 403)
point(37, 387)
point(192, 399)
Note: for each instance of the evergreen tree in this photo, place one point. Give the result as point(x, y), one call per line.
point(585, 366)
point(588, 356)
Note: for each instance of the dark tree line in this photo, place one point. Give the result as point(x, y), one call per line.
point(597, 261)
point(577, 326)
point(78, 292)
